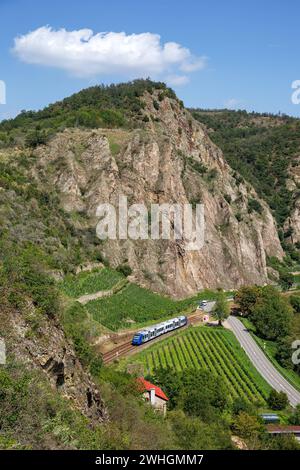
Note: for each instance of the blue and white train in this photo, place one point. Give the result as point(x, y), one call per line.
point(156, 330)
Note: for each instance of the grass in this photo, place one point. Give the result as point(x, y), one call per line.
point(140, 306)
point(90, 282)
point(269, 348)
point(215, 349)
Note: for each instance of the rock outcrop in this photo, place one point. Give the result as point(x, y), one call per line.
point(171, 160)
point(49, 350)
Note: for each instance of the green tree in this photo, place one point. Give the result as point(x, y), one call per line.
point(295, 302)
point(221, 309)
point(246, 425)
point(192, 433)
point(286, 280)
point(277, 400)
point(295, 418)
point(246, 297)
point(272, 314)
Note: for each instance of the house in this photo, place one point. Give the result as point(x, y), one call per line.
point(276, 429)
point(154, 395)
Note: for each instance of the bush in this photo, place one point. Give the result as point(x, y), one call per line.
point(124, 269)
point(254, 205)
point(277, 400)
point(295, 303)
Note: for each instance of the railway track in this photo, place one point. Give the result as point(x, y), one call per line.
point(126, 348)
point(117, 352)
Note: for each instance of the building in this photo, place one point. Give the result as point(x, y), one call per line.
point(154, 395)
point(276, 429)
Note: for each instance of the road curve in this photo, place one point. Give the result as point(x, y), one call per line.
point(260, 361)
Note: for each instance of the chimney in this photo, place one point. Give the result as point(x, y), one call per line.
point(152, 396)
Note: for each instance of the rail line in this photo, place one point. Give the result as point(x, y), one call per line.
point(126, 348)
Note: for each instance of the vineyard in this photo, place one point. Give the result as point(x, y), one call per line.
point(214, 349)
point(90, 282)
point(137, 305)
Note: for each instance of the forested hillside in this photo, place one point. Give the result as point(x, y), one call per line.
point(262, 148)
point(54, 390)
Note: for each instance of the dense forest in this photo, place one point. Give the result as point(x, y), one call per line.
point(261, 148)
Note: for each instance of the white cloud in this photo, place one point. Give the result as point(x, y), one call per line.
point(231, 103)
point(84, 53)
point(177, 80)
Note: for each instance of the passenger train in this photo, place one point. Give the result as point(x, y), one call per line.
point(156, 330)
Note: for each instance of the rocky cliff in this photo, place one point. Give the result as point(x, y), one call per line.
point(170, 160)
point(43, 346)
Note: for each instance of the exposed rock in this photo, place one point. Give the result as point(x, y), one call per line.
point(49, 350)
point(171, 161)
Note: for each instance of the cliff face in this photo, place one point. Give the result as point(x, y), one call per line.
point(171, 160)
point(46, 348)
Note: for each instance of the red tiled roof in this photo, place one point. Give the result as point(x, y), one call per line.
point(145, 385)
point(282, 428)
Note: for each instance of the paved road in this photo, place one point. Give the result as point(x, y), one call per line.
point(260, 361)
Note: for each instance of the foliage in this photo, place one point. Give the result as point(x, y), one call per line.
point(124, 269)
point(260, 147)
point(254, 205)
point(271, 314)
point(246, 297)
point(24, 276)
point(90, 282)
point(138, 305)
point(277, 400)
point(246, 425)
point(215, 351)
point(194, 434)
point(221, 309)
point(98, 106)
point(81, 329)
point(295, 302)
point(295, 417)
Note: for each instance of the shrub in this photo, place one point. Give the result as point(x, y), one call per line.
point(277, 400)
point(124, 269)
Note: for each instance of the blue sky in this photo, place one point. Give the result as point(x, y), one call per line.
point(243, 54)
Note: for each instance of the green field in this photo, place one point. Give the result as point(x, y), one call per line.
point(90, 282)
point(133, 304)
point(215, 349)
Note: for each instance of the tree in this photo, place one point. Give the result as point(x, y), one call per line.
point(272, 314)
point(192, 433)
point(241, 405)
point(295, 302)
point(284, 352)
point(124, 269)
point(246, 425)
point(221, 308)
point(247, 297)
point(277, 400)
point(286, 280)
point(295, 418)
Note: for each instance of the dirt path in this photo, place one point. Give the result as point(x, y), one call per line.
point(84, 299)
